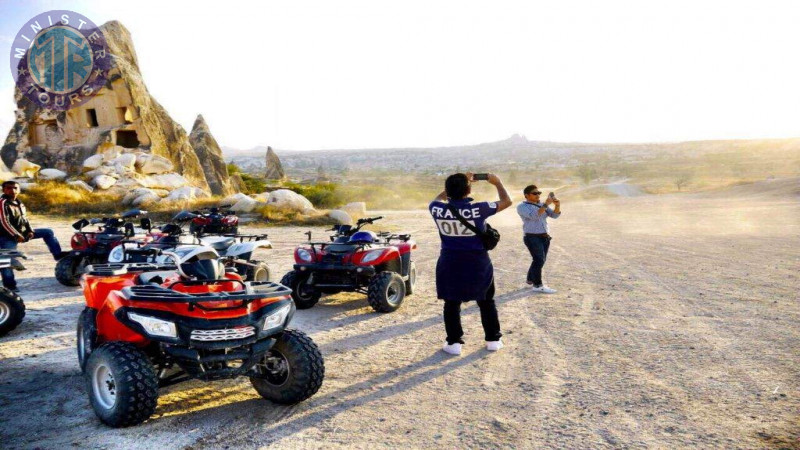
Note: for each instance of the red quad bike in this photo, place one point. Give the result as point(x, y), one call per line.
point(148, 325)
point(378, 265)
point(12, 308)
point(214, 221)
point(93, 247)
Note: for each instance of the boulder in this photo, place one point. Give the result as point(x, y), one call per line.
point(102, 170)
point(186, 193)
point(210, 156)
point(341, 217)
point(25, 168)
point(103, 181)
point(149, 164)
point(80, 185)
point(52, 174)
point(136, 193)
point(109, 151)
point(169, 181)
point(245, 204)
point(356, 210)
point(290, 200)
point(233, 199)
point(92, 162)
point(145, 199)
point(126, 160)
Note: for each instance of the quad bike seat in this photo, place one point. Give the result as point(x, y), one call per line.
point(219, 244)
point(156, 277)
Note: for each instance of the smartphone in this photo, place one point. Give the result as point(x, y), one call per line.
point(552, 195)
point(480, 176)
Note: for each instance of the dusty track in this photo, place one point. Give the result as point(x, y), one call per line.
point(677, 323)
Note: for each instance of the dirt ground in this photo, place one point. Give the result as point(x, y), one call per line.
point(676, 324)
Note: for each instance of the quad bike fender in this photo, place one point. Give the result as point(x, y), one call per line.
point(109, 328)
point(245, 248)
point(97, 289)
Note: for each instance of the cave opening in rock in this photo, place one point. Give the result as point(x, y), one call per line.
point(127, 138)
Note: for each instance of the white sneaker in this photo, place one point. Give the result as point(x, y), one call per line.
point(453, 349)
point(494, 346)
point(544, 289)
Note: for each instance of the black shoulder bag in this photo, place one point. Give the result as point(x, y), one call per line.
point(490, 237)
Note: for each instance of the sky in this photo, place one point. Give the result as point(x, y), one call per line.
point(376, 74)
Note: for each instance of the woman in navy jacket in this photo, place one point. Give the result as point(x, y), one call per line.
point(464, 271)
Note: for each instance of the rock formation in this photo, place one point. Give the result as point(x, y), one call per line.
point(210, 156)
point(122, 114)
point(274, 167)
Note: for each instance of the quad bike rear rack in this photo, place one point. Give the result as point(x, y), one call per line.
point(114, 269)
point(252, 290)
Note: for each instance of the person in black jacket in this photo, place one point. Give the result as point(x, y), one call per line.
point(15, 229)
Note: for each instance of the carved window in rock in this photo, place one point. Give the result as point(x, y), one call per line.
point(91, 118)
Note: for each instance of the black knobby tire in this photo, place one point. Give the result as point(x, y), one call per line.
point(304, 296)
point(306, 370)
point(86, 336)
point(134, 383)
point(258, 273)
point(12, 310)
point(412, 278)
point(68, 270)
point(386, 291)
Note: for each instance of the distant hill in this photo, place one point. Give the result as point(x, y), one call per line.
point(519, 153)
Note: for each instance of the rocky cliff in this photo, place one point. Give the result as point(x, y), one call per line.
point(210, 156)
point(122, 114)
point(274, 167)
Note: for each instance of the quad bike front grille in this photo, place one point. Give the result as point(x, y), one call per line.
point(225, 334)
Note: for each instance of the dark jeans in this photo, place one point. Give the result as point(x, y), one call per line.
point(10, 244)
point(489, 319)
point(538, 246)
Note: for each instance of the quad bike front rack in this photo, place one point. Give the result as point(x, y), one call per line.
point(252, 290)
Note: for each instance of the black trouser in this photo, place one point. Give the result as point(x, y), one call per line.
point(489, 319)
point(538, 246)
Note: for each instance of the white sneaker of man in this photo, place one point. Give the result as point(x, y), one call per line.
point(453, 349)
point(543, 289)
point(494, 346)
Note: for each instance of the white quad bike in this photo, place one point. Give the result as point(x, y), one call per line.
point(236, 249)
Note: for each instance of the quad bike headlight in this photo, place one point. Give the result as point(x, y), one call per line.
point(153, 326)
point(276, 319)
point(371, 256)
point(304, 255)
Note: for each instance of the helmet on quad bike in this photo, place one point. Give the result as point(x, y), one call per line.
point(367, 237)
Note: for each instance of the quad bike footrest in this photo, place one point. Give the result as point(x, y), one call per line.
point(196, 364)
